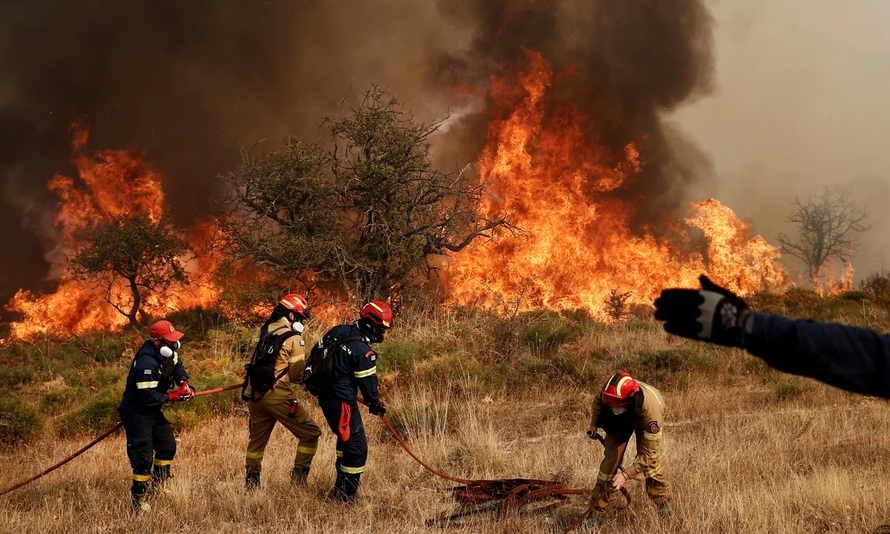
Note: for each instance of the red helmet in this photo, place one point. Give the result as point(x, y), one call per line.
point(378, 313)
point(295, 302)
point(619, 389)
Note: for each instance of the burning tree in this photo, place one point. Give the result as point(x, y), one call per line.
point(130, 258)
point(825, 227)
point(368, 211)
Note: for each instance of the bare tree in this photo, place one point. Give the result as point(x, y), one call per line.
point(366, 211)
point(826, 225)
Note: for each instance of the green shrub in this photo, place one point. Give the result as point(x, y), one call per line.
point(789, 389)
point(544, 337)
point(400, 354)
point(678, 359)
point(20, 421)
point(60, 400)
point(18, 375)
point(97, 414)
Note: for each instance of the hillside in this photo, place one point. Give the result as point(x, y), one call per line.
point(747, 448)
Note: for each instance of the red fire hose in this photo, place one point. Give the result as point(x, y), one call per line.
point(93, 443)
point(552, 490)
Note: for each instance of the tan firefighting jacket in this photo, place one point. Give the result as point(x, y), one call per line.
point(292, 356)
point(647, 428)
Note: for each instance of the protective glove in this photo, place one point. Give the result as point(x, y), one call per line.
point(174, 396)
point(619, 481)
point(377, 409)
point(712, 314)
point(187, 392)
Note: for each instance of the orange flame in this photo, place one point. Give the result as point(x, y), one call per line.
point(110, 183)
point(577, 244)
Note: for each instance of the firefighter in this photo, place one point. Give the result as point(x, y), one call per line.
point(280, 404)
point(156, 368)
point(625, 407)
point(851, 358)
point(354, 368)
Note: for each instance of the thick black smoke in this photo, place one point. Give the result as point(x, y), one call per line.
point(190, 83)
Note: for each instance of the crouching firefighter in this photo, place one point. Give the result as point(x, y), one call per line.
point(339, 364)
point(156, 368)
point(628, 407)
point(270, 390)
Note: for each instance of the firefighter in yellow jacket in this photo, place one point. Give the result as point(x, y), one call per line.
point(271, 390)
point(628, 407)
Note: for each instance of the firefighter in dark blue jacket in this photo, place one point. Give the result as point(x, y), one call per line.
point(851, 358)
point(354, 368)
point(155, 369)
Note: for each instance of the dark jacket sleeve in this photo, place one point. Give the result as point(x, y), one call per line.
point(364, 365)
point(146, 374)
point(179, 374)
point(851, 358)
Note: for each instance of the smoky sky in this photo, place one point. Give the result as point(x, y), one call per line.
point(191, 83)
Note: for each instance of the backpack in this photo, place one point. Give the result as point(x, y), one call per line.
point(320, 365)
point(261, 369)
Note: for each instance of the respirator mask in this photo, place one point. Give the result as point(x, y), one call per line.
point(298, 327)
point(620, 410)
point(168, 351)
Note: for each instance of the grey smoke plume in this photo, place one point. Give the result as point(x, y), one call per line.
point(190, 83)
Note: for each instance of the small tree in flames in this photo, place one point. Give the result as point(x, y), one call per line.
point(367, 211)
point(616, 305)
point(130, 257)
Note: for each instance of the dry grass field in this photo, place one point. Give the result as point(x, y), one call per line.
point(747, 449)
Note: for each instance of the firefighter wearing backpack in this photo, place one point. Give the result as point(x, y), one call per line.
point(155, 369)
point(628, 407)
point(270, 390)
point(353, 366)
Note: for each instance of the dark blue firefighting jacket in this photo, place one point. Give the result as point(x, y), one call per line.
point(354, 366)
point(851, 358)
point(151, 375)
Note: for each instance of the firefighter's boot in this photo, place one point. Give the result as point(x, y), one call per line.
point(159, 477)
point(252, 480)
point(139, 496)
point(346, 486)
point(299, 477)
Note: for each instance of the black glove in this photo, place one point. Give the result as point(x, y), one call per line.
point(377, 409)
point(712, 313)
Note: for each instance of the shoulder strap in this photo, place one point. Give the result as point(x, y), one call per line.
point(290, 333)
point(342, 341)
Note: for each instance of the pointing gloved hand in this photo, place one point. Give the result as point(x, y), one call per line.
point(377, 409)
point(712, 313)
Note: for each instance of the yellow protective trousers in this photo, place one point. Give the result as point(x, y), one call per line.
point(264, 413)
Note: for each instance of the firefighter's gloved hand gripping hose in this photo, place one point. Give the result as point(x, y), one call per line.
point(513, 493)
point(93, 443)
